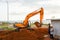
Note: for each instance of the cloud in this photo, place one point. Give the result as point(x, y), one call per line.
point(3, 12)
point(50, 8)
point(53, 9)
point(20, 8)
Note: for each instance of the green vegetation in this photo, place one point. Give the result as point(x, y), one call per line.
point(4, 26)
point(31, 24)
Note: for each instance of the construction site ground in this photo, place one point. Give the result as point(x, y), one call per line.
point(25, 34)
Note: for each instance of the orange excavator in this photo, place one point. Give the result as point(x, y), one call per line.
point(25, 22)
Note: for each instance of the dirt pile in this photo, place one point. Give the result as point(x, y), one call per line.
point(24, 34)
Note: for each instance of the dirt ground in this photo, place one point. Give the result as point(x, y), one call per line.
point(24, 34)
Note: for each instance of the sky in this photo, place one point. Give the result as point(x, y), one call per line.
point(18, 9)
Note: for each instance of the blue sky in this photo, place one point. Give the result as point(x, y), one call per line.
point(18, 9)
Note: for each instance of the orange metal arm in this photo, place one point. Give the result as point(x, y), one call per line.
point(41, 15)
point(25, 22)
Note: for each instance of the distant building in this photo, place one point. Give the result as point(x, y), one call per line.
point(1, 23)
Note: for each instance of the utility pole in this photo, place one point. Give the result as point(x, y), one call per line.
point(7, 10)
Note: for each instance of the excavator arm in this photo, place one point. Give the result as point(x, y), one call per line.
point(25, 22)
